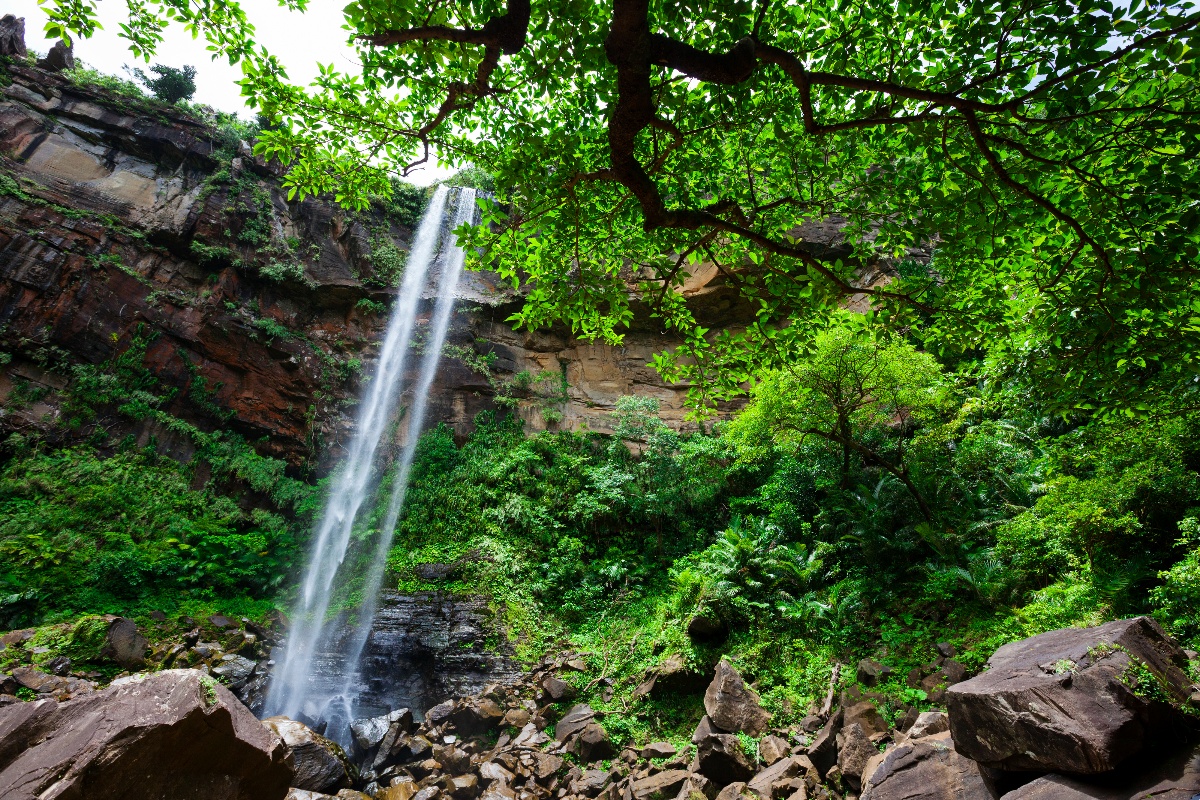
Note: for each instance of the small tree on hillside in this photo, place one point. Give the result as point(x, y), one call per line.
point(171, 85)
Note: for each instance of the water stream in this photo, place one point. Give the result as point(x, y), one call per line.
point(294, 691)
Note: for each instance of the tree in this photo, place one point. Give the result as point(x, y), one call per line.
point(171, 85)
point(1024, 175)
point(848, 389)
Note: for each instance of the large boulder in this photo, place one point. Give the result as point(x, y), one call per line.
point(854, 752)
point(124, 643)
point(1177, 777)
point(732, 705)
point(319, 763)
point(925, 769)
point(1078, 700)
point(721, 759)
point(176, 734)
point(12, 36)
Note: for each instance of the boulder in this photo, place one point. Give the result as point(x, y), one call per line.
point(557, 690)
point(593, 744)
point(721, 759)
point(12, 36)
point(867, 716)
point(476, 715)
point(368, 733)
point(732, 705)
point(1177, 777)
point(854, 751)
point(871, 672)
point(697, 787)
point(234, 670)
point(928, 723)
point(60, 57)
point(658, 750)
point(574, 721)
point(761, 785)
point(735, 791)
point(175, 733)
point(1073, 700)
point(439, 713)
point(319, 763)
point(659, 786)
point(705, 729)
point(772, 749)
point(823, 750)
point(124, 643)
point(925, 769)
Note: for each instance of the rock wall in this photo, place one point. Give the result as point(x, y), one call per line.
point(122, 218)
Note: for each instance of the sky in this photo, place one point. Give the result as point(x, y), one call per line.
point(301, 41)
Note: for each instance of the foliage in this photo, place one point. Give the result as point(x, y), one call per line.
point(172, 84)
point(90, 533)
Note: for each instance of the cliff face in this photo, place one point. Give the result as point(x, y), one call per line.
point(122, 220)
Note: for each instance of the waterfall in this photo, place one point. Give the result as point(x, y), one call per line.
point(291, 691)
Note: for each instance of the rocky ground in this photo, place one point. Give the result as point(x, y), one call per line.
point(1105, 712)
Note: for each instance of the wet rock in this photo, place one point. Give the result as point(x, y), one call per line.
point(925, 769)
point(476, 715)
point(439, 713)
point(1063, 700)
point(12, 36)
point(928, 723)
point(732, 705)
point(235, 670)
point(721, 759)
point(368, 733)
point(659, 750)
point(124, 643)
point(142, 738)
point(319, 763)
point(659, 786)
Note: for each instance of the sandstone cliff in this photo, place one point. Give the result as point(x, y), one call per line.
point(123, 220)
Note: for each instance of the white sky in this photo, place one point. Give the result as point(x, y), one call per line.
point(301, 41)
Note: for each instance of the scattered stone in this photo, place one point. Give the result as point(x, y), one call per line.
point(124, 644)
point(772, 748)
point(593, 743)
point(871, 672)
point(59, 665)
point(220, 621)
point(236, 670)
point(368, 733)
point(763, 784)
point(516, 717)
point(734, 791)
point(659, 786)
point(476, 716)
point(315, 758)
point(732, 705)
point(720, 758)
point(574, 721)
point(558, 690)
point(926, 769)
point(530, 736)
point(1062, 700)
point(928, 724)
point(491, 771)
point(439, 713)
point(823, 750)
point(854, 751)
point(147, 736)
point(946, 650)
point(659, 750)
point(867, 716)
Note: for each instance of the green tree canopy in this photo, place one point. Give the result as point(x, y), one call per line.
point(1023, 176)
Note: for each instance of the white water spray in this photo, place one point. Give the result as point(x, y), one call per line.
point(291, 689)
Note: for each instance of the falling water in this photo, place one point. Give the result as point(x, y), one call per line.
point(291, 685)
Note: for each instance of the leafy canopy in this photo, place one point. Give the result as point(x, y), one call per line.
point(1020, 177)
